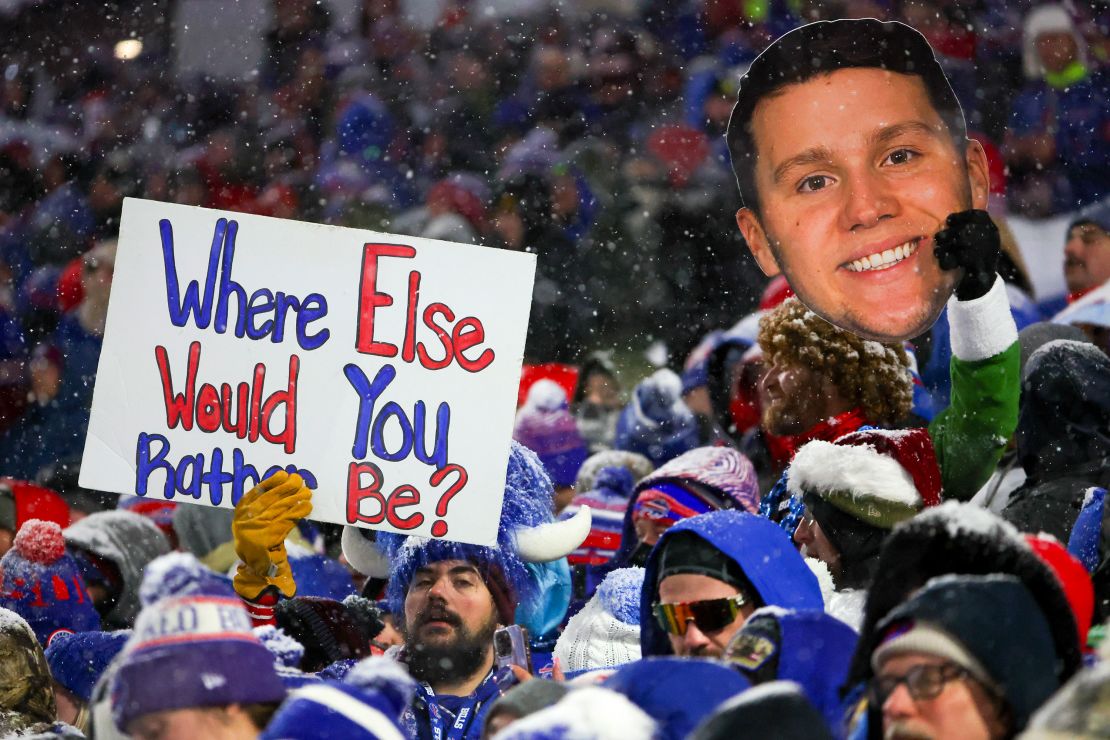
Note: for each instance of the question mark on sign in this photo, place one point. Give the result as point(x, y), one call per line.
point(439, 528)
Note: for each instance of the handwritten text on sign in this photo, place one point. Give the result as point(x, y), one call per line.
point(381, 368)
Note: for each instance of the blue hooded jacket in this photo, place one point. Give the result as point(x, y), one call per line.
point(814, 651)
point(678, 693)
point(764, 553)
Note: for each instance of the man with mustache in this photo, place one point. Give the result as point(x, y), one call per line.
point(1087, 275)
point(1087, 255)
point(706, 576)
point(449, 598)
point(452, 610)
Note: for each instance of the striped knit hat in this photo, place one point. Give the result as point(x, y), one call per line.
point(701, 480)
point(192, 648)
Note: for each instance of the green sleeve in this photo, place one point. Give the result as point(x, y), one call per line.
point(970, 435)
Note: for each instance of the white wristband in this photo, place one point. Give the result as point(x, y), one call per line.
point(982, 327)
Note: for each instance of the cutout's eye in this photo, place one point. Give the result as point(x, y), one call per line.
point(813, 183)
point(901, 156)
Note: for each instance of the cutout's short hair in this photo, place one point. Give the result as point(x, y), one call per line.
point(822, 48)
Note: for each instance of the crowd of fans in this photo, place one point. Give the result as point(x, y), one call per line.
point(789, 532)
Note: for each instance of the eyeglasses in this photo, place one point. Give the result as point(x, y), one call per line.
point(710, 615)
point(923, 682)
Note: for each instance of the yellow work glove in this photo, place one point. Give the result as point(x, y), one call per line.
point(263, 519)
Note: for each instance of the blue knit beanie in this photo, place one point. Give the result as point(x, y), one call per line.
point(192, 647)
point(41, 582)
point(318, 575)
point(77, 659)
point(657, 423)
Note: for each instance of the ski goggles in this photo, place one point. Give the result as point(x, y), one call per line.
point(709, 615)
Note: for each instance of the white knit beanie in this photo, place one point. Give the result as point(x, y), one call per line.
point(606, 633)
point(1046, 19)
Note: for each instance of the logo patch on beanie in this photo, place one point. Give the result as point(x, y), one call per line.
point(751, 651)
point(897, 629)
point(192, 618)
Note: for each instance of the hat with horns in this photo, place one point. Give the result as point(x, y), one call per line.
point(528, 533)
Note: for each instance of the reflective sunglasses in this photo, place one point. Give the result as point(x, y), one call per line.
point(923, 682)
point(710, 615)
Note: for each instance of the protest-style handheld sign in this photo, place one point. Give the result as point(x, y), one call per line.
point(382, 368)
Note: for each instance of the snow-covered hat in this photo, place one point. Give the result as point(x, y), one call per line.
point(192, 646)
point(880, 477)
point(77, 659)
point(635, 463)
point(1046, 19)
point(41, 582)
point(606, 633)
point(962, 538)
point(368, 703)
point(27, 698)
point(528, 533)
point(657, 423)
point(545, 426)
point(287, 654)
point(588, 713)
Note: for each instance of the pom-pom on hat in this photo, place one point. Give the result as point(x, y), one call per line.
point(606, 632)
point(545, 426)
point(1073, 578)
point(77, 659)
point(287, 654)
point(880, 477)
point(192, 648)
point(657, 423)
point(41, 582)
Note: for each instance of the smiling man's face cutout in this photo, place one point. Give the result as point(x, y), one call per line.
point(854, 171)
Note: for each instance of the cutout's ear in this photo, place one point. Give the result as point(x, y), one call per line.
point(978, 170)
point(758, 243)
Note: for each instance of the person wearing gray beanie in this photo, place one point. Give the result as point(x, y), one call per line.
point(520, 701)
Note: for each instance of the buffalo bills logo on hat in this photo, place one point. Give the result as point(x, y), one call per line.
point(751, 651)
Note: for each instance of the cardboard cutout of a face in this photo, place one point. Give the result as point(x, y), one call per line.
point(847, 173)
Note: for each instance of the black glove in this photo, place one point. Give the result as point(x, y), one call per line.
point(970, 241)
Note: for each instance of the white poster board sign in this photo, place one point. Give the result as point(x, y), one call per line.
point(384, 369)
